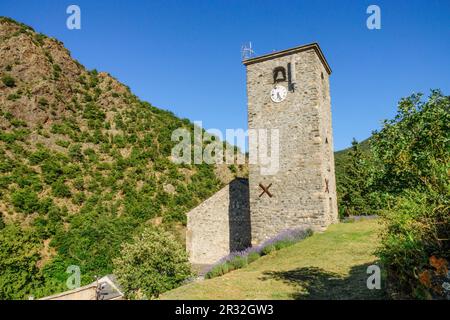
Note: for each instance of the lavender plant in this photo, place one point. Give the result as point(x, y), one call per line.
point(239, 259)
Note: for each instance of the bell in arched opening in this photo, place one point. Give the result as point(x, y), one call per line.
point(279, 74)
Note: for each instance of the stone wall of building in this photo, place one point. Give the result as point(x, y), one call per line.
point(219, 225)
point(326, 136)
point(300, 193)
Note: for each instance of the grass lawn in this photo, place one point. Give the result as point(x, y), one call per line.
point(329, 265)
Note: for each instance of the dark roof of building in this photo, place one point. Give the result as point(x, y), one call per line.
point(315, 46)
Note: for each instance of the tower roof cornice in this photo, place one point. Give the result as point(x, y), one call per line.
point(315, 46)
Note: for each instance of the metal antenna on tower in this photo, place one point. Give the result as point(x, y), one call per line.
point(247, 51)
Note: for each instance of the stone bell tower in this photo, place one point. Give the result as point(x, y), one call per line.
point(289, 91)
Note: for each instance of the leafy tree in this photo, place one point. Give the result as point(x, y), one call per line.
point(19, 254)
point(354, 183)
point(414, 146)
point(414, 150)
point(92, 240)
point(154, 263)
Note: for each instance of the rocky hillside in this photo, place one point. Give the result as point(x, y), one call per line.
point(84, 164)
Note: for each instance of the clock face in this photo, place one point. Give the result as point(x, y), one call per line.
point(278, 93)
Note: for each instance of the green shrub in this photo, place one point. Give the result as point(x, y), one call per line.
point(282, 244)
point(221, 270)
point(57, 68)
point(62, 143)
point(414, 152)
point(268, 249)
point(56, 71)
point(16, 134)
point(7, 137)
point(26, 177)
point(19, 256)
point(78, 183)
point(60, 189)
point(59, 128)
point(8, 115)
point(52, 170)
point(47, 226)
point(217, 271)
point(75, 152)
point(253, 256)
point(154, 263)
point(226, 267)
point(39, 37)
point(43, 102)
point(355, 175)
point(42, 228)
point(18, 123)
point(45, 205)
point(238, 262)
point(93, 112)
point(87, 97)
point(79, 198)
point(13, 96)
point(39, 156)
point(48, 55)
point(25, 200)
point(8, 81)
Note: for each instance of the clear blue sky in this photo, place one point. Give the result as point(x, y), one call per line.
point(185, 55)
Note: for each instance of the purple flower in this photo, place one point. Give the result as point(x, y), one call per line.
point(289, 235)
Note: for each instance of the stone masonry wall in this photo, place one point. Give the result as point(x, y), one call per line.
point(326, 134)
point(306, 148)
point(219, 225)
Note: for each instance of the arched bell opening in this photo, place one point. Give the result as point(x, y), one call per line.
point(279, 74)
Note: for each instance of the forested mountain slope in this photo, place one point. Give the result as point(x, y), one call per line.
point(84, 164)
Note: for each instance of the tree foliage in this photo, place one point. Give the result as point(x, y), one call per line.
point(354, 182)
point(87, 170)
point(154, 263)
point(19, 254)
point(414, 149)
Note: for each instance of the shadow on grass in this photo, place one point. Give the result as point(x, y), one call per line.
point(319, 284)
